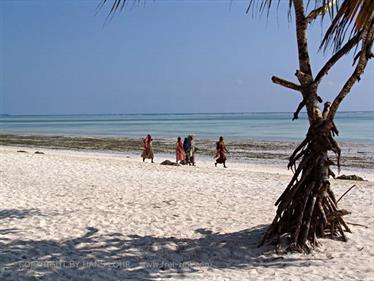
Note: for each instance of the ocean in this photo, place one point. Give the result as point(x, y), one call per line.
point(356, 127)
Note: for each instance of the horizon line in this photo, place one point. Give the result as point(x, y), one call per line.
point(170, 113)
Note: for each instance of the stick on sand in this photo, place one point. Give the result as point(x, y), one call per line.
point(345, 193)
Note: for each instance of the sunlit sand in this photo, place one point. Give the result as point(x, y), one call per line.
point(67, 215)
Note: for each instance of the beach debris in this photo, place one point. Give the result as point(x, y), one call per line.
point(350, 177)
point(357, 224)
point(170, 202)
point(38, 152)
point(169, 163)
point(345, 193)
point(22, 151)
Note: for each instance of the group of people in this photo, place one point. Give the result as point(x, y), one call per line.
point(185, 151)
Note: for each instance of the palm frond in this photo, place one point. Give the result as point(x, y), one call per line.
point(117, 5)
point(264, 5)
point(317, 7)
point(351, 18)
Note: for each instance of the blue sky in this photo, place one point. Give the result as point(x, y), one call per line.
point(58, 57)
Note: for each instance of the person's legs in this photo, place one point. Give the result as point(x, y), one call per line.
point(143, 159)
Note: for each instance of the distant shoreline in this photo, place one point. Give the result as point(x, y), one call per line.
point(353, 155)
point(179, 113)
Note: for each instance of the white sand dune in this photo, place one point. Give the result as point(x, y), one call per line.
point(70, 215)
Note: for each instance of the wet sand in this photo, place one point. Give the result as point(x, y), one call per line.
point(353, 155)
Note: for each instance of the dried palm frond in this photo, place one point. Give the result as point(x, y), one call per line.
point(351, 18)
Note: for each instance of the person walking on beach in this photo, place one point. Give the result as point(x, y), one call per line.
point(147, 148)
point(180, 154)
point(191, 154)
point(187, 148)
point(221, 153)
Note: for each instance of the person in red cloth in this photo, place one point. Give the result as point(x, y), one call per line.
point(221, 153)
point(180, 154)
point(147, 148)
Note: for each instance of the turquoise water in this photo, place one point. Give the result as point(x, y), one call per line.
point(354, 126)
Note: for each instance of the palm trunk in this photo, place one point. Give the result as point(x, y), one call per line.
point(307, 209)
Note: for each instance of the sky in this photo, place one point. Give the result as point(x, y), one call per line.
point(62, 57)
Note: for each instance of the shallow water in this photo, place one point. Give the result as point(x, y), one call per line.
point(357, 127)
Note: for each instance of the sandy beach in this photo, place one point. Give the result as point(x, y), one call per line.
point(107, 105)
point(68, 215)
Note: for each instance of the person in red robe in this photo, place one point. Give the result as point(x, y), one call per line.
point(147, 148)
point(180, 154)
point(221, 153)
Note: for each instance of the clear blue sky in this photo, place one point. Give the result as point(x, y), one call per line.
point(56, 57)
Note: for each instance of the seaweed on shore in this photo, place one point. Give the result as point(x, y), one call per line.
point(239, 150)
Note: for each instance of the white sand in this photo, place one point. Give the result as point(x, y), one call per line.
point(89, 216)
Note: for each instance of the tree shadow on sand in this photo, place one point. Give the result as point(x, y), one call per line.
point(18, 214)
point(14, 214)
point(117, 257)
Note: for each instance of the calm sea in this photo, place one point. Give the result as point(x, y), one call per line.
point(354, 126)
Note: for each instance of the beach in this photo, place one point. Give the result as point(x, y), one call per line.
point(101, 215)
point(186, 140)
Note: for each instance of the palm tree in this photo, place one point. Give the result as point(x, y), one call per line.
point(308, 209)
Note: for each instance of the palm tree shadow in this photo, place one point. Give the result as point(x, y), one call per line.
point(15, 214)
point(18, 214)
point(117, 257)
